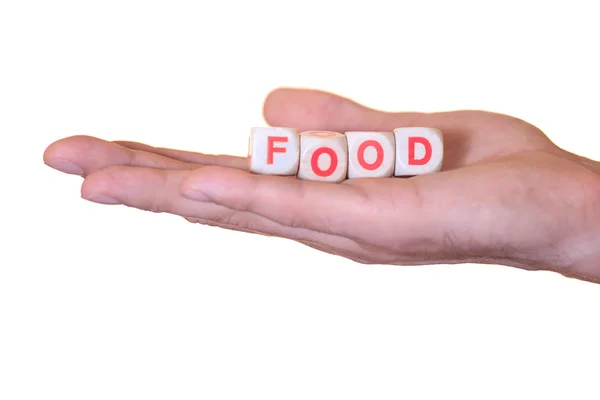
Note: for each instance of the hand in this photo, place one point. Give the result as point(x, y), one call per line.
point(506, 195)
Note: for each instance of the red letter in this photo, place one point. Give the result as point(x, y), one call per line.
point(314, 161)
point(271, 149)
point(361, 155)
point(411, 151)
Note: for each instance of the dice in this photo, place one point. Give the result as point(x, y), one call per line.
point(333, 156)
point(370, 154)
point(274, 151)
point(418, 151)
point(323, 156)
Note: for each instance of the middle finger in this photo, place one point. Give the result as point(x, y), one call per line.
point(91, 154)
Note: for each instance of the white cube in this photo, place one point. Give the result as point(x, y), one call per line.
point(323, 156)
point(274, 151)
point(419, 151)
point(371, 154)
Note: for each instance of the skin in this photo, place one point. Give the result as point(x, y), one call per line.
point(506, 194)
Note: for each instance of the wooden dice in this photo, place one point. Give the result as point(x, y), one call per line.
point(418, 151)
point(370, 154)
point(323, 156)
point(274, 151)
point(333, 157)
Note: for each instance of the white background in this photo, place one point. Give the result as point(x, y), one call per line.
point(101, 302)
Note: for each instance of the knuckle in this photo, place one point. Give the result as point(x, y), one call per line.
point(238, 221)
point(295, 221)
point(228, 219)
point(156, 205)
point(160, 201)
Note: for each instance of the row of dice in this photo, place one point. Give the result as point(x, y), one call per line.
point(334, 157)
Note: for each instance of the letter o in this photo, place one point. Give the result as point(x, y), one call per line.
point(361, 155)
point(314, 161)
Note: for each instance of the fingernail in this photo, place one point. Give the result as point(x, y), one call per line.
point(194, 194)
point(67, 167)
point(102, 199)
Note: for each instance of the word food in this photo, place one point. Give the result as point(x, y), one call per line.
point(334, 157)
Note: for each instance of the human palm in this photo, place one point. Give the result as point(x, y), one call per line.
point(506, 194)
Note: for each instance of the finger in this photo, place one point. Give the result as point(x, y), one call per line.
point(84, 155)
point(151, 189)
point(158, 191)
point(469, 135)
point(232, 227)
point(189, 156)
point(363, 259)
point(307, 109)
point(336, 209)
point(337, 246)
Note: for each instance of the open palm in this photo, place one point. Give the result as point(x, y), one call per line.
point(506, 194)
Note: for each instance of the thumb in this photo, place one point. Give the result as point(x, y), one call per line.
point(469, 135)
point(309, 109)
